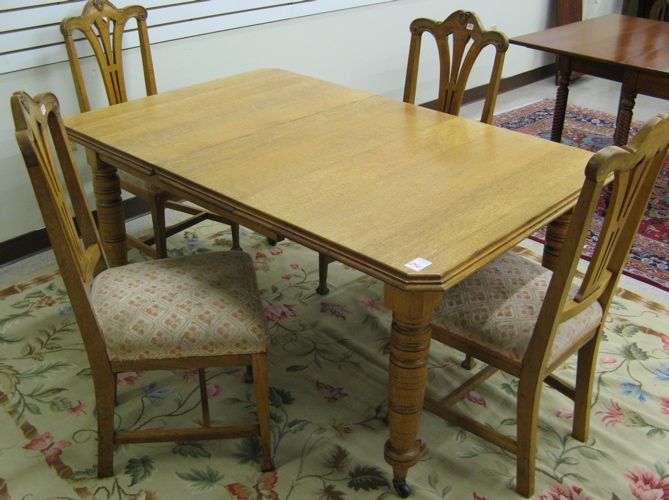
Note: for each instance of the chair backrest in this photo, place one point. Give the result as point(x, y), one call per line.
point(40, 132)
point(634, 169)
point(103, 26)
point(659, 10)
point(460, 39)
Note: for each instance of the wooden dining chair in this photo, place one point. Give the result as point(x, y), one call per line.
point(460, 40)
point(103, 27)
point(200, 311)
point(525, 320)
point(659, 11)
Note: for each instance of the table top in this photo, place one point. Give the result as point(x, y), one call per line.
point(370, 181)
point(614, 39)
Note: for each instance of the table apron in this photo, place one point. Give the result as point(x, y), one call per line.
point(594, 68)
point(650, 84)
point(653, 85)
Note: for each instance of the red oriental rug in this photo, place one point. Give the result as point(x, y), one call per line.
point(593, 130)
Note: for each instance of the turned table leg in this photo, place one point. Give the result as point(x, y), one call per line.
point(111, 220)
point(410, 346)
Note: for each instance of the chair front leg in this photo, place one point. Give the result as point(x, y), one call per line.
point(105, 399)
point(529, 395)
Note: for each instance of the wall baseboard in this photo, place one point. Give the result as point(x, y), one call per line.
point(35, 242)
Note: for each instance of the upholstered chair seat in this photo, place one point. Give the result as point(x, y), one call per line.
point(201, 305)
point(496, 310)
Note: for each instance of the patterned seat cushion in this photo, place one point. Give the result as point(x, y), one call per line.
point(497, 307)
point(201, 305)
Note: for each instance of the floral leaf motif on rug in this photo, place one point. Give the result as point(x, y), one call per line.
point(328, 378)
point(592, 130)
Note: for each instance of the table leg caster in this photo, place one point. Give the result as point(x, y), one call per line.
point(402, 488)
point(271, 242)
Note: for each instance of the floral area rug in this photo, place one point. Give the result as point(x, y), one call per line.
point(328, 378)
point(593, 130)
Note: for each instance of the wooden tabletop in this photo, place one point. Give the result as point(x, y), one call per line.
point(371, 181)
point(612, 39)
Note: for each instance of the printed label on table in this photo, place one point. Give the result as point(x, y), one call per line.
point(418, 264)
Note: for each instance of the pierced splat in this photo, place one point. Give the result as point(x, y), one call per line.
point(103, 26)
point(460, 39)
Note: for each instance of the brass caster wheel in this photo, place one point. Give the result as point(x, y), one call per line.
point(402, 488)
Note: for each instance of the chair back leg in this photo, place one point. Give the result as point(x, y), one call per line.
point(261, 381)
point(585, 374)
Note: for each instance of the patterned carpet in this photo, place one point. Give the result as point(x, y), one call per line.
point(328, 378)
point(593, 130)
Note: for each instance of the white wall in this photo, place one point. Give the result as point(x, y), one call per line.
point(596, 8)
point(365, 48)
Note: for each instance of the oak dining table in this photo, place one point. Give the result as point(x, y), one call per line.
point(413, 197)
point(631, 50)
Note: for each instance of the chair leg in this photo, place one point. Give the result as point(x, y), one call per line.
point(468, 363)
point(234, 230)
point(248, 376)
point(529, 394)
point(204, 398)
point(159, 228)
point(585, 374)
point(261, 380)
point(105, 397)
point(323, 262)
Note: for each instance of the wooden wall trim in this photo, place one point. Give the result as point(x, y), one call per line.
point(30, 34)
point(35, 242)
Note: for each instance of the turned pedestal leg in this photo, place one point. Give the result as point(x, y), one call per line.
point(410, 346)
point(111, 220)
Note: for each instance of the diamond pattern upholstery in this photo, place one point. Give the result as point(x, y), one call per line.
point(497, 307)
point(201, 305)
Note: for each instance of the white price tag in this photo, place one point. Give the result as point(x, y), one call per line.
point(418, 264)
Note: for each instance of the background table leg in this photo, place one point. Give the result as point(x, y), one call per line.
point(627, 99)
point(564, 77)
